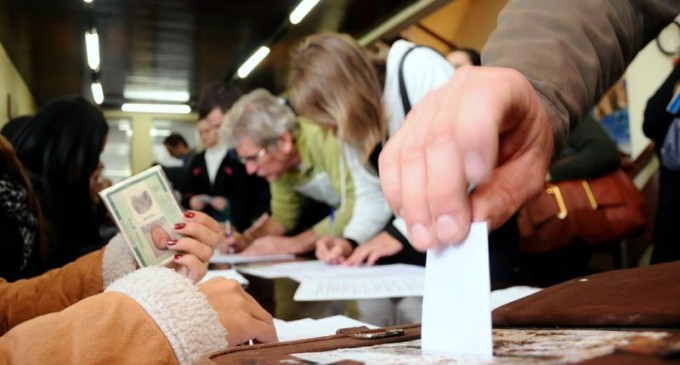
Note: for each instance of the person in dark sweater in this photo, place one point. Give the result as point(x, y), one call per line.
point(60, 148)
point(655, 126)
point(217, 183)
point(23, 240)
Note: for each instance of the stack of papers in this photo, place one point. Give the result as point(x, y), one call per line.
point(321, 281)
point(237, 258)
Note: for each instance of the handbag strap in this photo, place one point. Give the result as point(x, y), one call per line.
point(405, 102)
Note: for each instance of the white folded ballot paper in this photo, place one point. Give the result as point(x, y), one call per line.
point(456, 301)
point(145, 212)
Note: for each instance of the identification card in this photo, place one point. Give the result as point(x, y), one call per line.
point(145, 211)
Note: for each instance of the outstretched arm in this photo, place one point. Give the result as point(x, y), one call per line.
point(494, 127)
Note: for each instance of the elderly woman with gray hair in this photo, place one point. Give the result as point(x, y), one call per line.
point(302, 160)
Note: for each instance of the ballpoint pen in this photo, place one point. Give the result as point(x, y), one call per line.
point(331, 226)
point(227, 228)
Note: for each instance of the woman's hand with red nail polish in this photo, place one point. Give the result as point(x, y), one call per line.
point(199, 235)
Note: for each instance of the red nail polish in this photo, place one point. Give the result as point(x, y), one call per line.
point(180, 225)
point(178, 256)
point(172, 242)
point(189, 214)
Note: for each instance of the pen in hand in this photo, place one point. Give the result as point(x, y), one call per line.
point(331, 232)
point(331, 226)
point(227, 228)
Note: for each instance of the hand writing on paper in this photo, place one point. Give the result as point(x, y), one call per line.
point(382, 245)
point(333, 250)
point(242, 317)
point(270, 245)
point(235, 240)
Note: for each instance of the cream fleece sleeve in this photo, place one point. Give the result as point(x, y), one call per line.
point(118, 260)
point(182, 313)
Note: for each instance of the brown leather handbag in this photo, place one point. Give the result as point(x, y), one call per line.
point(600, 210)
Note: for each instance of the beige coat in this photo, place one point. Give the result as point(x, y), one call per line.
point(151, 316)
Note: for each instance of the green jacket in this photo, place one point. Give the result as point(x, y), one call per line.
point(335, 174)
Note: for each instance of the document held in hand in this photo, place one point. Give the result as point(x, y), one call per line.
point(456, 308)
point(145, 211)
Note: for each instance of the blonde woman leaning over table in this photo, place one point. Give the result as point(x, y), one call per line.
point(363, 111)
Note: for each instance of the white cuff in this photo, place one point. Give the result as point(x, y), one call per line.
point(183, 313)
point(118, 260)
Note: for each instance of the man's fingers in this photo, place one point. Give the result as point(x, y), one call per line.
point(448, 202)
point(390, 172)
point(511, 185)
point(479, 112)
point(413, 158)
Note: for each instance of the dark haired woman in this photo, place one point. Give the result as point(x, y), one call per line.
point(60, 148)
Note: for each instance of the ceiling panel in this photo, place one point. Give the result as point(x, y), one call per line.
point(168, 45)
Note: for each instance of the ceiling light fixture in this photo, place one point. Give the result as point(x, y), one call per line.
point(252, 62)
point(302, 10)
point(156, 108)
point(97, 92)
point(157, 95)
point(92, 49)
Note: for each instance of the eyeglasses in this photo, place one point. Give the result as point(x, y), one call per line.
point(253, 159)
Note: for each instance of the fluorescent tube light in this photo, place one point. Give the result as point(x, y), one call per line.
point(92, 49)
point(87, 1)
point(253, 61)
point(157, 95)
point(302, 10)
point(156, 108)
point(97, 92)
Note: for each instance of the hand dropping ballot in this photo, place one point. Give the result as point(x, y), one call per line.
point(456, 303)
point(145, 212)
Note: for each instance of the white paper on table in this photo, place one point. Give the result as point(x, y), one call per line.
point(389, 286)
point(310, 328)
point(237, 258)
point(456, 310)
point(316, 269)
point(229, 274)
point(339, 272)
point(281, 270)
